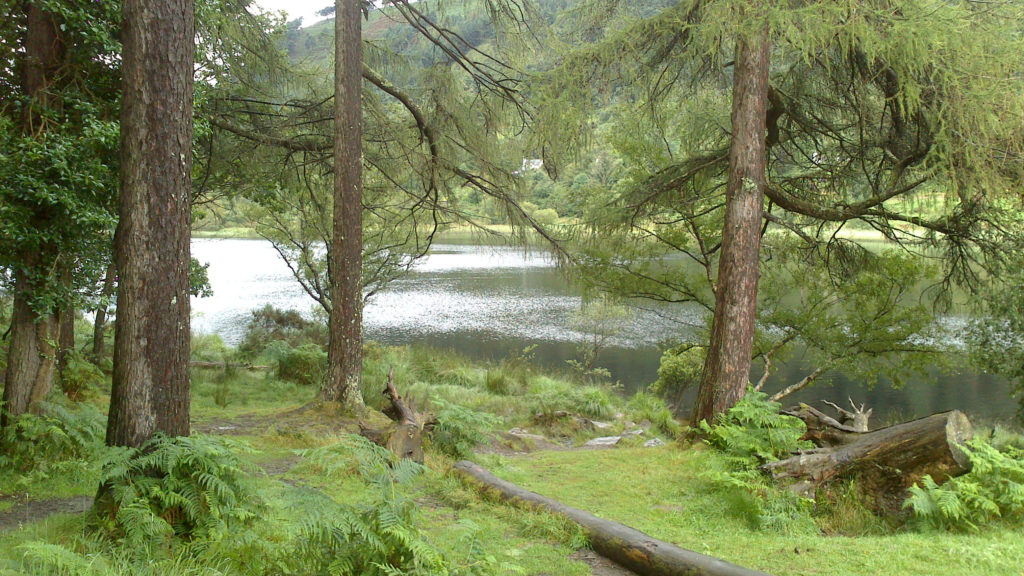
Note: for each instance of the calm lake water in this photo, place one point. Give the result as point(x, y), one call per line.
point(488, 302)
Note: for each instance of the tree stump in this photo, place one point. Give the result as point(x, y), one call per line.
point(405, 439)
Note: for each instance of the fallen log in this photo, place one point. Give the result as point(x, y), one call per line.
point(628, 547)
point(886, 461)
point(822, 429)
point(201, 364)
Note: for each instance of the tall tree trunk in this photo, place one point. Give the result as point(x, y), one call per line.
point(345, 354)
point(151, 348)
point(727, 366)
point(99, 344)
point(65, 320)
point(30, 356)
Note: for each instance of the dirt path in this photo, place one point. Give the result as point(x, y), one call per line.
point(27, 511)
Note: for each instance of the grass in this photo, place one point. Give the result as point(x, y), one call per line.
point(674, 492)
point(665, 493)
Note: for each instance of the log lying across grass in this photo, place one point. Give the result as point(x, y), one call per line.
point(886, 461)
point(628, 547)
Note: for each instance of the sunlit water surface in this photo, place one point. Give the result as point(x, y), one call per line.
point(488, 302)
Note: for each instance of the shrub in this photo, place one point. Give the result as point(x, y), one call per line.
point(269, 324)
point(754, 431)
point(680, 368)
point(647, 406)
point(751, 433)
point(82, 378)
point(60, 436)
point(306, 364)
point(377, 539)
point(496, 382)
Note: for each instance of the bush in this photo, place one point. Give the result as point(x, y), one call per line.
point(269, 324)
point(751, 433)
point(82, 378)
point(754, 431)
point(680, 368)
point(37, 445)
point(647, 406)
point(306, 364)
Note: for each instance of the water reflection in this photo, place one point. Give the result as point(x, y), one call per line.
point(489, 302)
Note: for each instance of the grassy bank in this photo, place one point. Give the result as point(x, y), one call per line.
point(307, 474)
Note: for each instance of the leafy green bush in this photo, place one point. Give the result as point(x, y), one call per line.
point(306, 364)
point(269, 324)
point(82, 378)
point(459, 429)
point(377, 539)
point(189, 487)
point(754, 431)
point(994, 488)
point(497, 382)
point(680, 368)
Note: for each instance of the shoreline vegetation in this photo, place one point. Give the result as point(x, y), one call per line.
point(301, 461)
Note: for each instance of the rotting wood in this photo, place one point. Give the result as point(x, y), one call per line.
point(886, 461)
point(405, 439)
point(628, 547)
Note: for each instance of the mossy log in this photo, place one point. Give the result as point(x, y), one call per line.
point(886, 461)
point(628, 547)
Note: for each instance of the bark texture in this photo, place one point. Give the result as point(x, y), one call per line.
point(405, 439)
point(99, 344)
point(30, 365)
point(151, 350)
point(727, 365)
point(345, 350)
point(625, 546)
point(886, 461)
point(30, 356)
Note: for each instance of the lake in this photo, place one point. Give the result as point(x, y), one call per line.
point(488, 302)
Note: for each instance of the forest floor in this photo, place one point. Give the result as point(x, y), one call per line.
point(674, 492)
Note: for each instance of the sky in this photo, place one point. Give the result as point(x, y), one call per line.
point(305, 9)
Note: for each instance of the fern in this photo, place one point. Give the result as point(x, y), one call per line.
point(751, 433)
point(754, 431)
point(994, 488)
point(459, 429)
point(377, 538)
point(192, 487)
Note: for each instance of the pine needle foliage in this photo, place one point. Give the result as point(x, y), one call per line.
point(185, 487)
point(993, 489)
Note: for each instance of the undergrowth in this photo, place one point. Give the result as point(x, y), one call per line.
point(993, 489)
point(750, 434)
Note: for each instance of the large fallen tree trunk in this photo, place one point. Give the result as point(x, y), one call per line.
point(628, 547)
point(886, 461)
